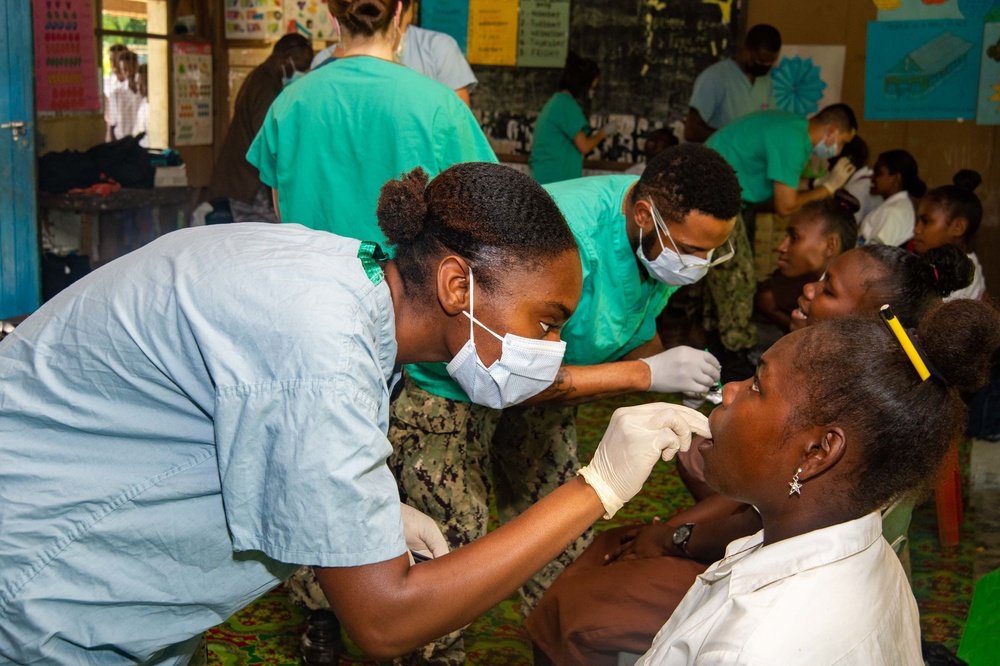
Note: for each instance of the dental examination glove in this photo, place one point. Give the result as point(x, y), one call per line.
point(635, 439)
point(838, 176)
point(422, 534)
point(683, 369)
point(610, 128)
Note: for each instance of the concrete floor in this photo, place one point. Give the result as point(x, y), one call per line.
point(984, 473)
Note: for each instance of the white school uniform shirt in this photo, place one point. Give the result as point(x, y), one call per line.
point(859, 185)
point(889, 224)
point(837, 595)
point(124, 111)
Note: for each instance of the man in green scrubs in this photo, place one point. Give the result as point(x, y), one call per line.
point(769, 151)
point(450, 452)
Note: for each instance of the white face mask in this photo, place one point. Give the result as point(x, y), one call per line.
point(526, 367)
point(289, 80)
point(668, 267)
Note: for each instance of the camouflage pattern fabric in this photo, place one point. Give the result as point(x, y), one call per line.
point(727, 295)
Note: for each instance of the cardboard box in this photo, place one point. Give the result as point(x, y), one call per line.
point(175, 176)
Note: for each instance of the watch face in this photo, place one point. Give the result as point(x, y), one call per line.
point(681, 534)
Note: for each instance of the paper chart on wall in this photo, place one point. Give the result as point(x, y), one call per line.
point(448, 16)
point(922, 70)
point(925, 10)
point(988, 103)
point(310, 18)
point(543, 34)
point(492, 32)
point(192, 73)
point(254, 19)
point(65, 60)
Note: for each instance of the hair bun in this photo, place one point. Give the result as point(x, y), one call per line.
point(967, 180)
point(402, 208)
point(960, 337)
point(847, 201)
point(949, 269)
point(365, 17)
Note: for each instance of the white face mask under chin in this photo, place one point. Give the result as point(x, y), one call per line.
point(526, 366)
point(667, 266)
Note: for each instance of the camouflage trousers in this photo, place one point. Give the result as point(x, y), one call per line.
point(447, 457)
point(725, 296)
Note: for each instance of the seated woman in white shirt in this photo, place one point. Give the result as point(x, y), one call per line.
point(895, 179)
point(951, 215)
point(836, 423)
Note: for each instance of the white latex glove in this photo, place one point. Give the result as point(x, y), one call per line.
point(635, 439)
point(683, 369)
point(610, 128)
point(838, 176)
point(422, 534)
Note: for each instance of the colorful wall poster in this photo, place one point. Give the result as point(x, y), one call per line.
point(922, 70)
point(543, 33)
point(492, 32)
point(925, 10)
point(65, 56)
point(310, 18)
point(448, 16)
point(808, 78)
point(988, 106)
point(192, 73)
point(254, 19)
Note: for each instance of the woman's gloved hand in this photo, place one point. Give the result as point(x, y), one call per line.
point(422, 534)
point(635, 439)
point(683, 369)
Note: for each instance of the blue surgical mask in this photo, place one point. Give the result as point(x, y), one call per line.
point(289, 80)
point(825, 152)
point(526, 366)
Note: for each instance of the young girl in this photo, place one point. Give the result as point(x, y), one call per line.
point(626, 584)
point(951, 215)
point(562, 132)
point(895, 179)
point(837, 423)
point(816, 234)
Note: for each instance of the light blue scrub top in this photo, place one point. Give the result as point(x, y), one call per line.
point(181, 429)
point(723, 93)
point(617, 309)
point(331, 141)
point(438, 56)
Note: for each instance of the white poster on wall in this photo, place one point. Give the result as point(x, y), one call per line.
point(808, 77)
point(192, 94)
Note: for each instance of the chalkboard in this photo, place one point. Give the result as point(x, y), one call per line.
point(649, 52)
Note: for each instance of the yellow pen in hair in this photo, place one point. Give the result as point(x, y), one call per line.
point(904, 341)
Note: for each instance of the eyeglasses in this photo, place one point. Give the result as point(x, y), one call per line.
point(660, 224)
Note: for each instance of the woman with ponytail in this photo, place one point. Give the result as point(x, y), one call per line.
point(895, 179)
point(189, 424)
point(951, 215)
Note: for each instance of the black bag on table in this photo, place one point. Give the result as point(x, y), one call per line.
point(125, 161)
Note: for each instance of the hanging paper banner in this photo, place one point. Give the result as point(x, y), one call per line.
point(922, 70)
point(448, 16)
point(492, 32)
point(254, 19)
point(310, 18)
point(65, 56)
point(543, 36)
point(192, 72)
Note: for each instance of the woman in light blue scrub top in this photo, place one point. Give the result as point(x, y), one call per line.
point(185, 427)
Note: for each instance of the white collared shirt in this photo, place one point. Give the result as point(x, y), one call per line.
point(837, 595)
point(891, 223)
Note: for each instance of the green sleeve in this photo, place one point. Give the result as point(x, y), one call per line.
point(569, 118)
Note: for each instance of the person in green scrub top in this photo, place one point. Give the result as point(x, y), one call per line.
point(333, 138)
point(640, 238)
point(562, 132)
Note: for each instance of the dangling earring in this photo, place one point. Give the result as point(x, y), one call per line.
point(794, 485)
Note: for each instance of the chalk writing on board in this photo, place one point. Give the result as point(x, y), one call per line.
point(543, 36)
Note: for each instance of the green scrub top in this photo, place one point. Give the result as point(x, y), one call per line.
point(765, 147)
point(333, 138)
point(554, 156)
point(617, 310)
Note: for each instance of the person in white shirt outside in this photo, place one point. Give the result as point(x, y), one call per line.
point(895, 179)
point(837, 422)
point(113, 80)
point(734, 87)
point(125, 101)
point(951, 215)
